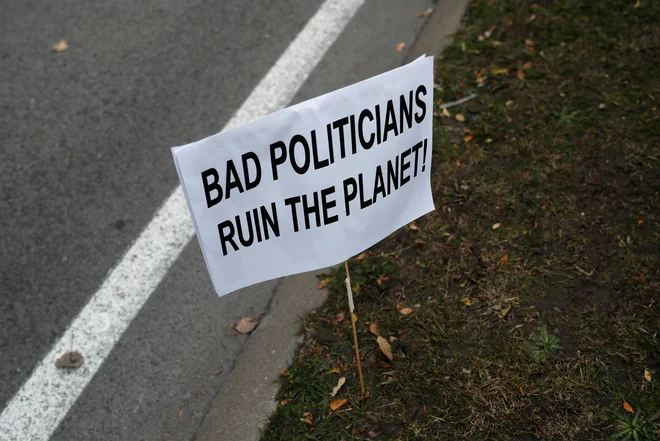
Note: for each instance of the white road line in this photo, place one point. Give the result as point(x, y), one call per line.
point(45, 398)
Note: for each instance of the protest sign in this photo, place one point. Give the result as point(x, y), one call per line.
point(311, 185)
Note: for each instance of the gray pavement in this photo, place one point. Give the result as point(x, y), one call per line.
point(85, 137)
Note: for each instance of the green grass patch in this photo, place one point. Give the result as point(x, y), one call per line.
point(544, 327)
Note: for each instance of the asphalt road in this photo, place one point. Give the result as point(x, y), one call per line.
point(85, 137)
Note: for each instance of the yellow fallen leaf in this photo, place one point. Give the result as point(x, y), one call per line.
point(521, 75)
point(373, 328)
point(467, 301)
point(355, 317)
point(425, 13)
point(340, 383)
point(468, 138)
point(307, 418)
point(337, 403)
point(628, 407)
point(323, 283)
point(246, 325)
point(334, 370)
point(406, 311)
point(401, 46)
point(504, 259)
point(60, 46)
point(496, 225)
point(499, 71)
point(459, 117)
point(385, 347)
point(647, 375)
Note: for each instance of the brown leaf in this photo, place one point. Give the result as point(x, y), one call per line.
point(468, 138)
point(340, 317)
point(337, 403)
point(640, 279)
point(413, 227)
point(323, 283)
point(406, 311)
point(401, 46)
point(425, 13)
point(521, 75)
point(381, 364)
point(527, 66)
point(628, 407)
point(373, 328)
point(647, 375)
point(246, 325)
point(70, 360)
point(385, 347)
point(340, 383)
point(504, 259)
point(382, 278)
point(361, 256)
point(640, 221)
point(366, 396)
point(284, 372)
point(60, 46)
point(467, 301)
point(307, 418)
point(499, 71)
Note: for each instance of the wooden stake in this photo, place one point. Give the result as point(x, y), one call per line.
point(351, 307)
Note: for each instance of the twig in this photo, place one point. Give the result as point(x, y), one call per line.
point(459, 102)
point(349, 292)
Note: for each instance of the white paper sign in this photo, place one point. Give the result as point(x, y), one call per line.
point(314, 184)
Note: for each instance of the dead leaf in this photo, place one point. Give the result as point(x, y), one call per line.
point(527, 66)
point(385, 347)
point(60, 46)
point(419, 242)
point(381, 364)
point(340, 383)
point(284, 372)
point(459, 117)
point(284, 402)
point(499, 71)
point(531, 18)
point(307, 418)
point(337, 403)
point(637, 4)
point(372, 434)
point(382, 278)
point(468, 138)
point(425, 13)
point(640, 221)
point(334, 370)
point(406, 311)
point(413, 227)
point(446, 113)
point(323, 283)
point(373, 328)
point(640, 279)
point(628, 407)
point(400, 46)
point(504, 259)
point(71, 360)
point(522, 391)
point(246, 325)
point(361, 257)
point(340, 317)
point(647, 375)
point(521, 75)
point(467, 301)
point(355, 317)
point(496, 225)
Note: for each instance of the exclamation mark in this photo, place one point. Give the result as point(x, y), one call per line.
point(424, 157)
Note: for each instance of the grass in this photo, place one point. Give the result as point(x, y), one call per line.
point(535, 283)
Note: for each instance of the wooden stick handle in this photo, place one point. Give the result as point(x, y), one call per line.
point(349, 292)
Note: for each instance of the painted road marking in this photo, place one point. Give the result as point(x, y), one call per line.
point(45, 398)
